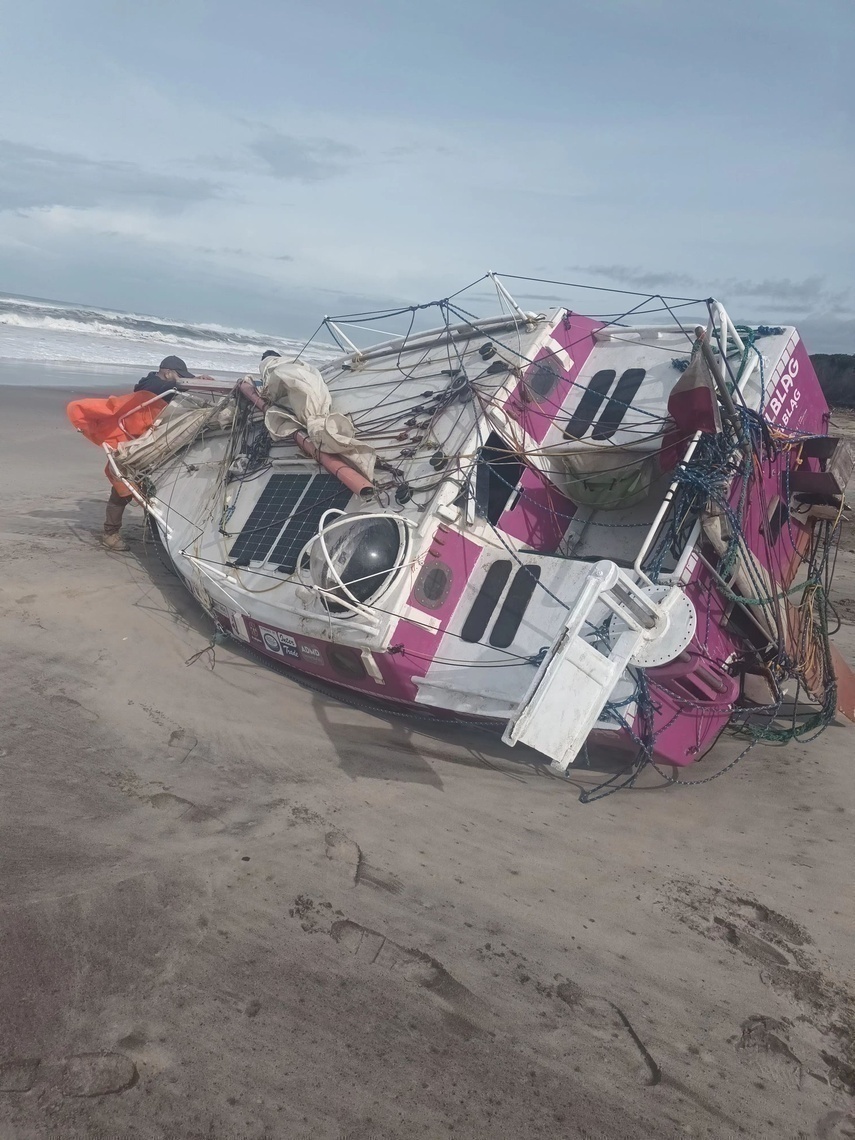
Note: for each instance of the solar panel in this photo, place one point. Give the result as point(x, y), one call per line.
point(324, 492)
point(273, 509)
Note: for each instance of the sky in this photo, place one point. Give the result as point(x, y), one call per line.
point(267, 162)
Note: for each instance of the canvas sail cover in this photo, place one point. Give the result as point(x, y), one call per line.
point(178, 425)
point(300, 399)
point(604, 478)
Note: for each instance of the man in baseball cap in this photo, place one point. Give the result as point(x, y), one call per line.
point(163, 383)
point(165, 379)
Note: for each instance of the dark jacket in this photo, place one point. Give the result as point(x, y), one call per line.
point(156, 385)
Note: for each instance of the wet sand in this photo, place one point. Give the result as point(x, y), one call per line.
point(233, 907)
point(50, 374)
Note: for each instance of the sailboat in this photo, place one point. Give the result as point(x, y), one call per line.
point(587, 530)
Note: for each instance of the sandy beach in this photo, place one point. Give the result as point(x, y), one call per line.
point(234, 907)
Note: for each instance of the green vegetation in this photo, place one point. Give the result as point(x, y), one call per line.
point(836, 374)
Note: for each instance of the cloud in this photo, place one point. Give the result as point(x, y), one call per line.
point(302, 160)
point(34, 178)
point(237, 251)
point(809, 294)
point(628, 276)
point(828, 335)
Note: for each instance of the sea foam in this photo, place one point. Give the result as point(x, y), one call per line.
point(55, 331)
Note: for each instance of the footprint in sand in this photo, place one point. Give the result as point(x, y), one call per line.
point(836, 1126)
point(18, 1075)
point(83, 1075)
point(59, 700)
point(414, 966)
point(97, 1074)
point(766, 1042)
point(609, 1024)
point(340, 848)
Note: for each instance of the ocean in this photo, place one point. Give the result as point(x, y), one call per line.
point(62, 344)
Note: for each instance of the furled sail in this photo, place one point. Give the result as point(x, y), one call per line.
point(299, 399)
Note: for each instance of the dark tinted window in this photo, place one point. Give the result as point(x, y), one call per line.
point(499, 471)
point(514, 606)
point(479, 616)
point(592, 399)
point(543, 377)
point(616, 408)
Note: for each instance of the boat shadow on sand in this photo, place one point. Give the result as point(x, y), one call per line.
point(371, 740)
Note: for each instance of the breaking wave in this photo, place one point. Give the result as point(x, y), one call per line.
point(41, 330)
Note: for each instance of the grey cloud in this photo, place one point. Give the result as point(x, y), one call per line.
point(807, 295)
point(302, 160)
point(235, 251)
point(828, 335)
point(34, 177)
point(628, 276)
point(811, 294)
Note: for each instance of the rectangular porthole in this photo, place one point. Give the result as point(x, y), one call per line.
point(514, 606)
point(485, 603)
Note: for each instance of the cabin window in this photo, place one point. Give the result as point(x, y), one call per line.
point(779, 514)
point(485, 603)
point(514, 606)
point(543, 378)
point(593, 396)
point(618, 405)
point(346, 662)
point(287, 514)
point(498, 473)
point(359, 556)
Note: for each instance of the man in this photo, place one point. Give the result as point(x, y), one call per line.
point(163, 383)
point(171, 370)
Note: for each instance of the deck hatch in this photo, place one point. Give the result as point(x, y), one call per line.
point(514, 606)
point(486, 601)
point(285, 517)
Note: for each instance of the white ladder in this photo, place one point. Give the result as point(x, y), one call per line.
point(575, 679)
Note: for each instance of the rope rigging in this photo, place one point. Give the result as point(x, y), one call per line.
point(430, 395)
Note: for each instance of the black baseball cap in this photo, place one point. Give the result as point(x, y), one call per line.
point(176, 364)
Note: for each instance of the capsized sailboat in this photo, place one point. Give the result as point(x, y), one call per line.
point(589, 529)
